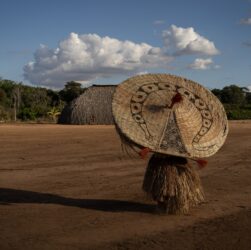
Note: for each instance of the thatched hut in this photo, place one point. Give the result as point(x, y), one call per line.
point(94, 106)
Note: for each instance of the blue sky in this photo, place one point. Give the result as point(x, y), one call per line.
point(49, 42)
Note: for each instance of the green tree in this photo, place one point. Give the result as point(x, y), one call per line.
point(233, 95)
point(248, 98)
point(4, 114)
point(2, 96)
point(35, 103)
point(27, 114)
point(54, 97)
point(71, 91)
point(217, 93)
point(30, 103)
point(7, 86)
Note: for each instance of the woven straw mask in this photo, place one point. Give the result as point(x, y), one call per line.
point(145, 112)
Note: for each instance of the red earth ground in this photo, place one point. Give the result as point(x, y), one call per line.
point(71, 187)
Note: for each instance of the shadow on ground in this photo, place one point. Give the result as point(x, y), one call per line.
point(10, 196)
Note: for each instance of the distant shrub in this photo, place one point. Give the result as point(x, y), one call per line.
point(27, 114)
point(238, 113)
point(4, 115)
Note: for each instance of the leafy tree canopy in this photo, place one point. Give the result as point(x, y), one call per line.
point(232, 94)
point(71, 91)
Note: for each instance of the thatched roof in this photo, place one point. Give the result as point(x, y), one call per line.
point(94, 106)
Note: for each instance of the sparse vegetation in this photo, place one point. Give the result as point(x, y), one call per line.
point(236, 100)
point(54, 113)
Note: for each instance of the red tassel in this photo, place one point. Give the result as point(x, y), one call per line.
point(143, 152)
point(177, 98)
point(201, 163)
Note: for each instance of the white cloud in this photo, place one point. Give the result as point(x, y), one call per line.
point(185, 41)
point(201, 64)
point(246, 21)
point(84, 58)
point(249, 88)
point(143, 72)
point(87, 57)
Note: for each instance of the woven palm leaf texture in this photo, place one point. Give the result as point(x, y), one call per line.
point(146, 112)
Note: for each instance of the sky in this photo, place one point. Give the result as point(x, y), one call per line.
point(48, 43)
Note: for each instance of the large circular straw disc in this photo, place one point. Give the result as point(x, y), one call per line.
point(144, 112)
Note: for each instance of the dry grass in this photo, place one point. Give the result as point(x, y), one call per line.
point(94, 106)
point(174, 183)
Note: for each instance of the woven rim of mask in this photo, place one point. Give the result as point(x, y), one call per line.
point(194, 127)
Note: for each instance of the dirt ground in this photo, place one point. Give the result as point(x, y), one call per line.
point(71, 187)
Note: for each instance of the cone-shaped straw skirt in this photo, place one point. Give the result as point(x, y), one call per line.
point(173, 183)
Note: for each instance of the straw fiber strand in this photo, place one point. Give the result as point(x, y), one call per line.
point(94, 106)
point(173, 183)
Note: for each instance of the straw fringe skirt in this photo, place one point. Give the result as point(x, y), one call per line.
point(170, 181)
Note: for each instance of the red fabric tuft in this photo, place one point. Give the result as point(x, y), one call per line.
point(177, 98)
point(143, 152)
point(201, 163)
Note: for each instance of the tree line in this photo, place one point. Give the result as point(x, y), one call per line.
point(236, 101)
point(27, 103)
